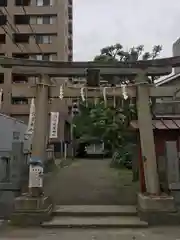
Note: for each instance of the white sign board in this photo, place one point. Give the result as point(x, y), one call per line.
point(35, 176)
point(54, 120)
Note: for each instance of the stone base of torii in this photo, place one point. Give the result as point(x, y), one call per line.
point(34, 208)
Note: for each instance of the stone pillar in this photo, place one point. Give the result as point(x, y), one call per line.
point(35, 208)
point(147, 137)
point(40, 134)
point(152, 207)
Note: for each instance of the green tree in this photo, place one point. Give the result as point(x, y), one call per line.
point(111, 124)
point(107, 124)
point(116, 53)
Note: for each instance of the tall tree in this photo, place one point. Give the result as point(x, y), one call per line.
point(116, 53)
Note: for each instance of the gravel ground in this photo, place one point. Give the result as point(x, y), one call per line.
point(91, 182)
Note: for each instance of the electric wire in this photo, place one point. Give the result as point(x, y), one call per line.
point(10, 36)
point(15, 28)
point(32, 30)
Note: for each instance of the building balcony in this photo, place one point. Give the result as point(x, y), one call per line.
point(38, 28)
point(34, 10)
point(18, 109)
point(23, 109)
point(22, 90)
point(34, 48)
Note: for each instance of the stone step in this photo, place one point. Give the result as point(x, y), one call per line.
point(95, 222)
point(86, 210)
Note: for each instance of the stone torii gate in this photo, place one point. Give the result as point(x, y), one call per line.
point(37, 204)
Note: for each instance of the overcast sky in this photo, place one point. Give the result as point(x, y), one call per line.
point(99, 23)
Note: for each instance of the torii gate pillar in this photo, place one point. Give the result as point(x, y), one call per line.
point(147, 137)
point(35, 208)
point(39, 140)
point(153, 207)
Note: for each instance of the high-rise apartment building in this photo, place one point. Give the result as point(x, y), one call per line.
point(33, 29)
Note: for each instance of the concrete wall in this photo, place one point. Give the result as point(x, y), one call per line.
point(13, 177)
point(11, 130)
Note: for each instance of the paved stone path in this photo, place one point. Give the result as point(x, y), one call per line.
point(91, 182)
point(166, 233)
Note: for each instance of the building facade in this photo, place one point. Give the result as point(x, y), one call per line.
point(176, 52)
point(34, 29)
point(11, 130)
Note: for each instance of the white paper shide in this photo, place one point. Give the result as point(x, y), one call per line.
point(54, 120)
point(124, 91)
point(31, 122)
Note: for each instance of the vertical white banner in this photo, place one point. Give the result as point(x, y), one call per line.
point(31, 122)
point(54, 120)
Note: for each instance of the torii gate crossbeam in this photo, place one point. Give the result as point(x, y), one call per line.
point(142, 64)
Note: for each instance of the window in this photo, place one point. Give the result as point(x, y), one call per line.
point(21, 38)
point(3, 3)
point(44, 3)
point(70, 43)
point(22, 2)
point(16, 135)
point(39, 2)
point(20, 55)
point(43, 39)
point(39, 20)
point(3, 20)
point(42, 20)
point(45, 57)
point(40, 57)
point(19, 78)
point(70, 14)
point(2, 38)
point(21, 19)
point(70, 58)
point(1, 78)
point(19, 100)
point(70, 28)
point(48, 20)
point(37, 57)
point(52, 57)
